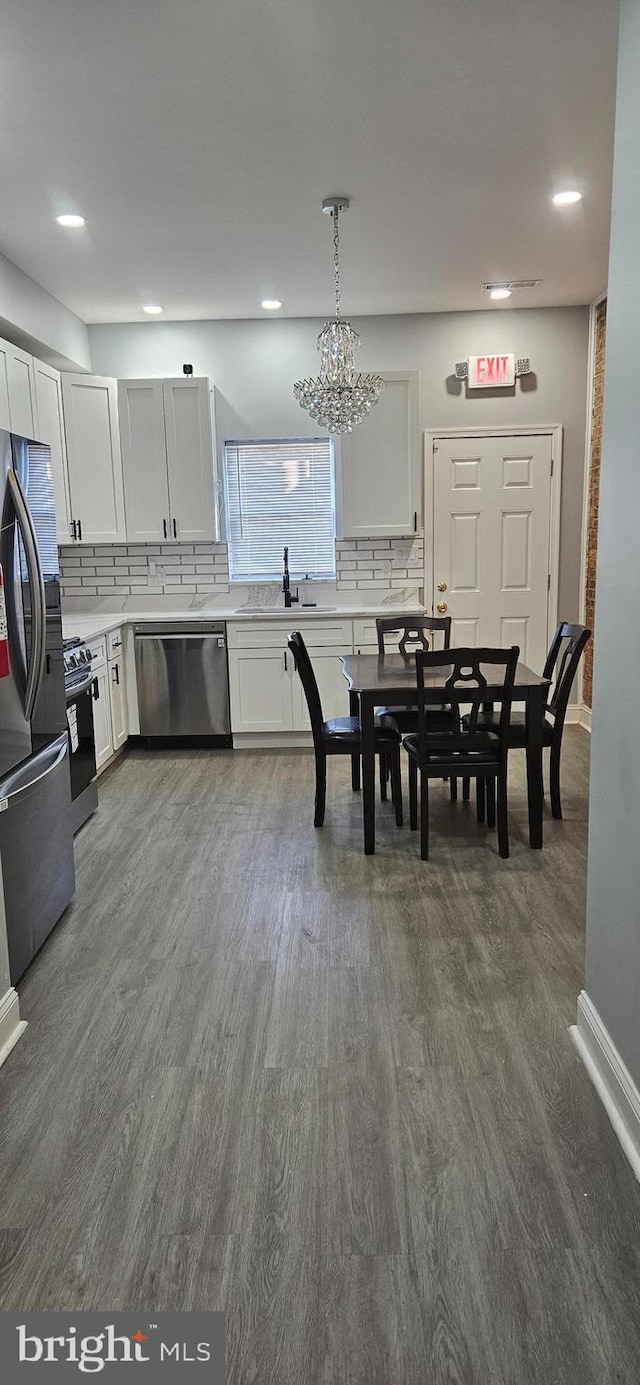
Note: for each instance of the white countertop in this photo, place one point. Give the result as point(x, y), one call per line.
point(89, 625)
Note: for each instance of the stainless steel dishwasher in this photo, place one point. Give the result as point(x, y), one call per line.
point(183, 681)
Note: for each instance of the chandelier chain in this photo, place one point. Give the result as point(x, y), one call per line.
point(336, 259)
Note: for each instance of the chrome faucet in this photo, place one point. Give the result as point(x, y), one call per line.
point(289, 600)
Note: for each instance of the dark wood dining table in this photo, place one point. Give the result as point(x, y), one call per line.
point(376, 681)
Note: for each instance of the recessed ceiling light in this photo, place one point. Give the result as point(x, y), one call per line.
point(271, 304)
point(500, 293)
point(564, 199)
point(152, 308)
point(70, 219)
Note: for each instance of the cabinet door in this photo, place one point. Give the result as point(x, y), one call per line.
point(332, 686)
point(144, 460)
point(22, 393)
point(102, 718)
point(117, 691)
point(5, 416)
point(187, 416)
point(260, 690)
point(50, 429)
point(380, 471)
point(93, 457)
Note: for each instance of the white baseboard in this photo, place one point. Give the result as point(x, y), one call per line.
point(611, 1078)
point(578, 716)
point(11, 1026)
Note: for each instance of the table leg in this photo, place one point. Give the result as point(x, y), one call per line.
point(354, 711)
point(536, 703)
point(368, 773)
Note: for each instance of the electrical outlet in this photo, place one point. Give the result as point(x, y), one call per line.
point(385, 568)
point(156, 573)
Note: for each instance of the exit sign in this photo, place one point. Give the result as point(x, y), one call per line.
point(488, 371)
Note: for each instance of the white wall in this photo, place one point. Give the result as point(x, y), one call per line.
point(613, 909)
point(32, 319)
point(254, 364)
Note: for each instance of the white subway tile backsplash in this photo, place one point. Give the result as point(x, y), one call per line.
point(103, 569)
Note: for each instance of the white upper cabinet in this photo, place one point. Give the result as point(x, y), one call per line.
point(187, 417)
point(5, 416)
point(380, 468)
point(50, 429)
point(22, 393)
point(144, 460)
point(94, 462)
point(167, 456)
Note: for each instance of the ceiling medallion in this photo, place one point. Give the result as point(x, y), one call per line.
point(339, 398)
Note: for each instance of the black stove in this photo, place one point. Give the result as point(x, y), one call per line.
point(80, 687)
point(77, 665)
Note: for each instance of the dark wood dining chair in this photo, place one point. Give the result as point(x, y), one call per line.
point(565, 652)
point(342, 735)
point(402, 635)
point(471, 750)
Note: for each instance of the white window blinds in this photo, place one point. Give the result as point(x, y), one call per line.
point(280, 492)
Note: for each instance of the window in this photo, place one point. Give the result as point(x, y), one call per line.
point(280, 492)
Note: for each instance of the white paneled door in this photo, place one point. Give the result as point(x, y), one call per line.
point(491, 540)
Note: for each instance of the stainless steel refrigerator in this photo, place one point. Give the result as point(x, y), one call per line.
point(36, 837)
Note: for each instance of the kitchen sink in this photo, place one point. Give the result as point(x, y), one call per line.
point(282, 610)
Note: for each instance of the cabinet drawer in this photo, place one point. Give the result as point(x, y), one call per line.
point(269, 634)
point(364, 633)
point(114, 644)
point(98, 651)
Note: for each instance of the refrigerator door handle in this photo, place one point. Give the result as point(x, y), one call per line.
point(35, 672)
point(39, 767)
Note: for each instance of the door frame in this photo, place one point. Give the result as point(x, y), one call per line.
point(555, 432)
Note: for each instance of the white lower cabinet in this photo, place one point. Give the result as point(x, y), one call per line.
point(265, 689)
point(332, 686)
point(102, 717)
point(110, 717)
point(117, 691)
point(260, 690)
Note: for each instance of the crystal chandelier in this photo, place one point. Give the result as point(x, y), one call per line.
point(339, 398)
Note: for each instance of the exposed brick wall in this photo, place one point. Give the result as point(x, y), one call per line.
point(594, 491)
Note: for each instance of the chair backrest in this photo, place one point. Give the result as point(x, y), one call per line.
point(470, 672)
point(304, 666)
point(413, 631)
point(565, 653)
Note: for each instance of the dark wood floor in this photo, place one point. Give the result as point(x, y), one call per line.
point(332, 1095)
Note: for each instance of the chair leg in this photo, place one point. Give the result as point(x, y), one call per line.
point(355, 773)
point(503, 822)
point(480, 800)
point(396, 785)
point(413, 795)
point(383, 777)
point(453, 790)
point(554, 776)
point(466, 788)
point(321, 789)
point(424, 818)
point(491, 803)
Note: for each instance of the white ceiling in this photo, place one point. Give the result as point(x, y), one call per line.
point(198, 138)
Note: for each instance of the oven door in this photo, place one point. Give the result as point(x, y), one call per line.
point(82, 753)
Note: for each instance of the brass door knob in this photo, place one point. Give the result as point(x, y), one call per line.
point(441, 607)
point(442, 586)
